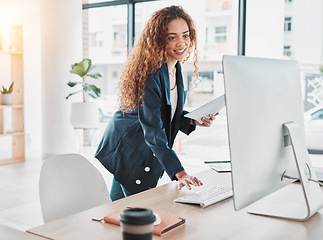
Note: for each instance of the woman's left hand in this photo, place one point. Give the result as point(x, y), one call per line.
point(207, 122)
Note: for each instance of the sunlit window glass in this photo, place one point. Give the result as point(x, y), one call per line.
point(293, 30)
point(105, 42)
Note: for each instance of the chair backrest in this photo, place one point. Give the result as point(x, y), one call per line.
point(68, 184)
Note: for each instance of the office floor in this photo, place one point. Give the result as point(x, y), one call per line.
point(19, 203)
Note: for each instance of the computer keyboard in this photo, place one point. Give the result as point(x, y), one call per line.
point(207, 196)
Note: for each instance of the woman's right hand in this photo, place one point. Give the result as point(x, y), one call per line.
point(186, 180)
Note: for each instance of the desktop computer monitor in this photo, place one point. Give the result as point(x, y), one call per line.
point(266, 137)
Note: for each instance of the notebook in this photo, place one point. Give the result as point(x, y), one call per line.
point(168, 222)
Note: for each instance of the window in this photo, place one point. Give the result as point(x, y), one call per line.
point(106, 29)
point(288, 24)
point(97, 1)
point(287, 51)
point(290, 30)
point(206, 85)
point(206, 35)
point(120, 39)
point(214, 22)
point(221, 34)
point(218, 5)
point(96, 39)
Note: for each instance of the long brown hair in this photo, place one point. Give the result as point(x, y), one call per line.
point(149, 53)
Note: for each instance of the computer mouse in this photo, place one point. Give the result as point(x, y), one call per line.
point(158, 219)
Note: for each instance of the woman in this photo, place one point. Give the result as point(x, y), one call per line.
point(137, 144)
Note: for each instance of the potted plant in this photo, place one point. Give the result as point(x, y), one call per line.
point(84, 114)
point(6, 96)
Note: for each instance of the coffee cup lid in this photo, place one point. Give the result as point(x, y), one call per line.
point(137, 216)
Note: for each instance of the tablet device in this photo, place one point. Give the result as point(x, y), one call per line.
point(212, 107)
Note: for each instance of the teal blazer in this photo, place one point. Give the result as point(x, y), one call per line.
point(137, 146)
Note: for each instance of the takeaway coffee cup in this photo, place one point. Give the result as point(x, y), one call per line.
point(137, 224)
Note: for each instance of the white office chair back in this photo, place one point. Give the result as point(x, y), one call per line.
point(68, 184)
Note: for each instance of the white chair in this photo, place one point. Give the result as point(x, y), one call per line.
point(68, 184)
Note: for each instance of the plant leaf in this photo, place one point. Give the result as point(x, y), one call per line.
point(72, 94)
point(82, 68)
point(96, 90)
point(7, 90)
point(91, 68)
point(93, 96)
point(10, 89)
point(87, 64)
point(72, 84)
point(92, 89)
point(95, 75)
point(78, 69)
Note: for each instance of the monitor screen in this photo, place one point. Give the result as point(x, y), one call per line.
point(261, 96)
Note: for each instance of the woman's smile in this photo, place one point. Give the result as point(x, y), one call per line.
point(180, 51)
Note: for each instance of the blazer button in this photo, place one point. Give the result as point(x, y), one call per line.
point(154, 155)
point(138, 182)
point(147, 169)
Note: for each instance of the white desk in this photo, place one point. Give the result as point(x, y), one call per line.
point(219, 221)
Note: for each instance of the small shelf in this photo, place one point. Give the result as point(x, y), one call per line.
point(11, 106)
point(10, 53)
point(11, 133)
point(11, 160)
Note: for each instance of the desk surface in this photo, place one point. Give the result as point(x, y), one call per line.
point(219, 220)
point(7, 233)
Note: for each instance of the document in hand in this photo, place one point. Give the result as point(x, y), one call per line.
point(168, 221)
point(212, 107)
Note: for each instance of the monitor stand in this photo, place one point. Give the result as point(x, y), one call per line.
point(274, 205)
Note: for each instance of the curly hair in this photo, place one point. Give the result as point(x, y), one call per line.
point(149, 53)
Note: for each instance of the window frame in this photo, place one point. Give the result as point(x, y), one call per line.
point(130, 15)
point(131, 19)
